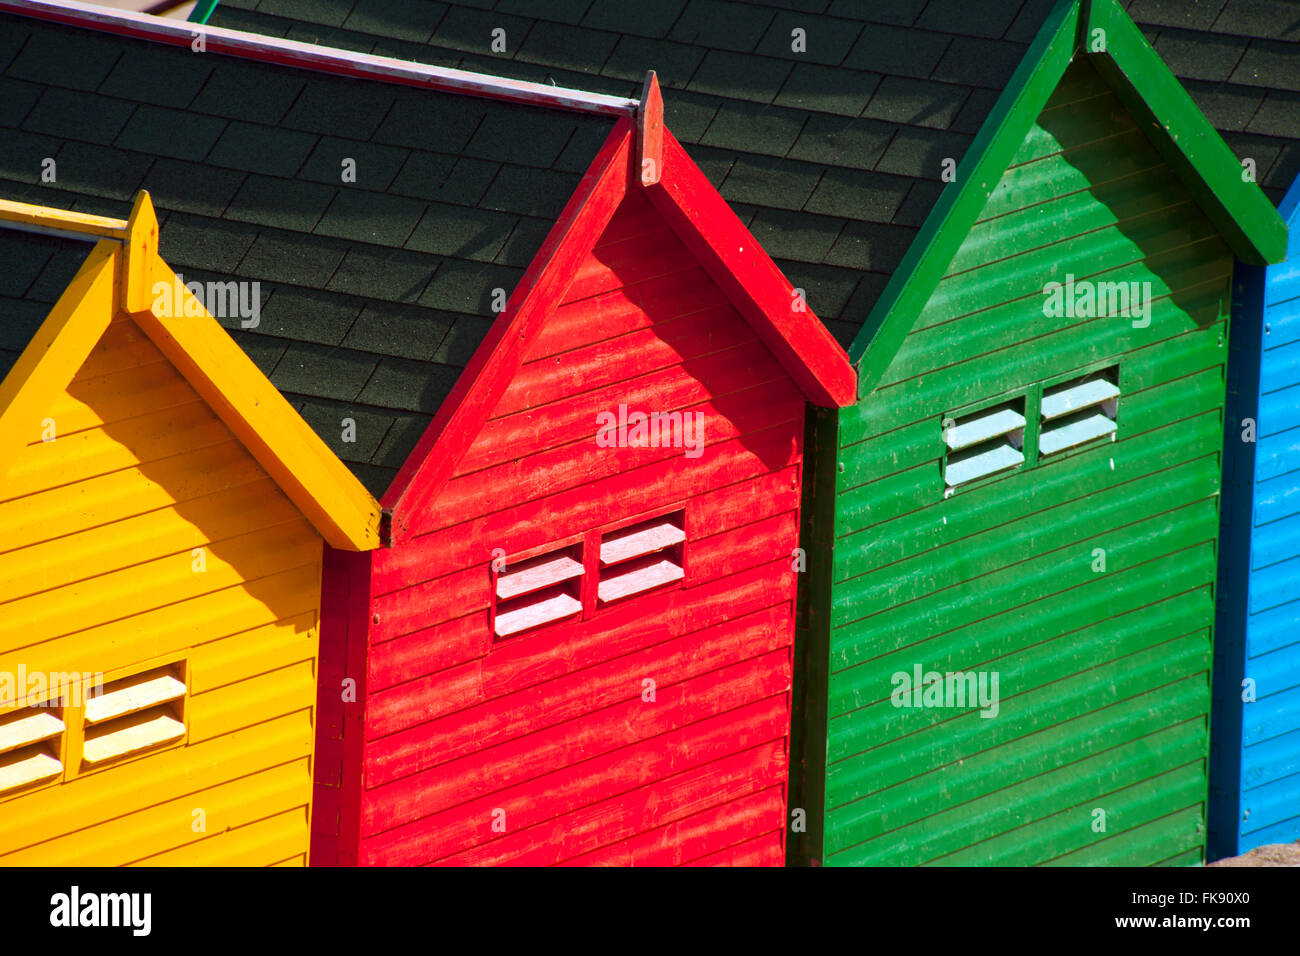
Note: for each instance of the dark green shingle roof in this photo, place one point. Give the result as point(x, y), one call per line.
point(1240, 61)
point(832, 156)
point(374, 293)
point(34, 271)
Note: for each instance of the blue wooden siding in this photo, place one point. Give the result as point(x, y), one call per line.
point(1255, 751)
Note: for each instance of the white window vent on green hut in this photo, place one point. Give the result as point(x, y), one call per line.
point(983, 443)
point(1077, 412)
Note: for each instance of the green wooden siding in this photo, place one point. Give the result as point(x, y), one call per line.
point(1103, 676)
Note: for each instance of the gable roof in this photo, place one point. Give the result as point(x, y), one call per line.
point(829, 156)
point(467, 131)
point(375, 294)
point(120, 275)
point(700, 218)
point(1237, 207)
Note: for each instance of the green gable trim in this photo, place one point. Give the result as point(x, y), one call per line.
point(202, 10)
point(1190, 145)
point(978, 173)
point(1239, 209)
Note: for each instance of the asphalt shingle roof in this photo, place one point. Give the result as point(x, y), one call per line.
point(34, 272)
point(374, 293)
point(1240, 61)
point(832, 154)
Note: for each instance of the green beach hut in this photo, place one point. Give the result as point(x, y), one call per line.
point(1010, 649)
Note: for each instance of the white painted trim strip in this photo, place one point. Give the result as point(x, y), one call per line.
point(322, 59)
point(63, 223)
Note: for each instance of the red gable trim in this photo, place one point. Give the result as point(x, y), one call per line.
point(763, 295)
point(708, 227)
point(497, 358)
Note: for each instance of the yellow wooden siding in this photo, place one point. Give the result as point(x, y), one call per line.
point(98, 530)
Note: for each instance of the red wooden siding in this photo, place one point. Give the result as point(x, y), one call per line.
point(549, 726)
point(345, 601)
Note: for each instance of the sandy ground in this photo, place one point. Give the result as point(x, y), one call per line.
point(1275, 854)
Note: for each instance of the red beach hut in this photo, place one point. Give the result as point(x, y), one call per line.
point(577, 647)
point(574, 642)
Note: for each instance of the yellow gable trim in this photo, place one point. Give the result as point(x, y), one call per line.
point(58, 349)
point(313, 477)
point(119, 276)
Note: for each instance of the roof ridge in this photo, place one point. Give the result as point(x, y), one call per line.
point(321, 59)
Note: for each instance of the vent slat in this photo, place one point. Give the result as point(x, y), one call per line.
point(1063, 436)
point(535, 613)
point(1069, 398)
point(132, 694)
point(18, 771)
point(641, 541)
point(136, 735)
point(996, 459)
point(641, 575)
point(537, 573)
point(982, 426)
point(33, 726)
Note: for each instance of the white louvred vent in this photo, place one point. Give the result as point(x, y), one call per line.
point(535, 610)
point(641, 558)
point(984, 443)
point(1078, 412)
point(29, 746)
point(537, 591)
point(135, 713)
point(982, 426)
point(640, 575)
point(1076, 396)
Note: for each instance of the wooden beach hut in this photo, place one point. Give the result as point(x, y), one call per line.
point(577, 383)
point(163, 515)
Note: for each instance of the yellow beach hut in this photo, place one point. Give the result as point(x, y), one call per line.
point(163, 512)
